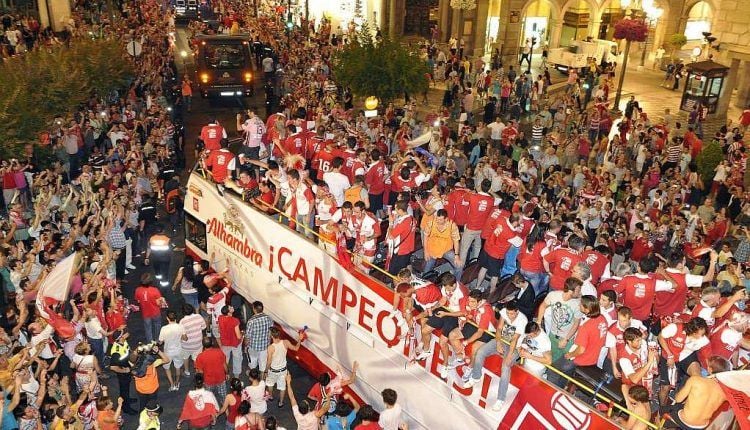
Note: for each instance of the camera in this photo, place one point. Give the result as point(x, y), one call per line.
point(146, 354)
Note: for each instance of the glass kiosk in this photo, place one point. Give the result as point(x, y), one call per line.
point(703, 85)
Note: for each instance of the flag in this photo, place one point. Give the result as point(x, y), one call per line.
point(199, 408)
point(54, 291)
point(736, 386)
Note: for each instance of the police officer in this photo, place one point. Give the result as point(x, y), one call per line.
point(119, 353)
point(159, 255)
point(146, 220)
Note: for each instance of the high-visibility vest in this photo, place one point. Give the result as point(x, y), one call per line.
point(159, 242)
point(122, 349)
point(353, 194)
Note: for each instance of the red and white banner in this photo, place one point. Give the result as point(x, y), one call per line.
point(53, 291)
point(736, 385)
point(349, 318)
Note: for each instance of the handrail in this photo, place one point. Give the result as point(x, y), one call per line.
point(612, 404)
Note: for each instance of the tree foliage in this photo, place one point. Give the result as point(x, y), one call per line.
point(707, 160)
point(380, 67)
point(42, 85)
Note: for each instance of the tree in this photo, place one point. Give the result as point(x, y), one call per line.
point(676, 42)
point(383, 68)
point(707, 160)
point(42, 85)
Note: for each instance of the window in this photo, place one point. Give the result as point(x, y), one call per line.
point(230, 56)
point(195, 232)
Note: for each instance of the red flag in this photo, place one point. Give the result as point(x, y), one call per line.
point(54, 290)
point(345, 259)
point(199, 408)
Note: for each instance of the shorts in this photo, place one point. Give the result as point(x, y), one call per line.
point(469, 330)
point(257, 358)
point(673, 419)
point(176, 359)
point(493, 265)
point(276, 378)
point(682, 367)
point(444, 324)
point(190, 354)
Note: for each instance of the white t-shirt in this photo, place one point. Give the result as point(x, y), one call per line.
point(511, 328)
point(537, 346)
point(390, 419)
point(626, 365)
point(496, 130)
point(256, 396)
point(337, 184)
point(691, 345)
point(171, 335)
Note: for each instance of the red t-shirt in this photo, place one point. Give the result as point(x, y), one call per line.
point(562, 262)
point(227, 333)
point(369, 426)
point(598, 263)
point(375, 178)
point(480, 206)
point(218, 161)
point(591, 336)
point(147, 297)
point(403, 235)
point(211, 362)
point(322, 162)
point(638, 293)
point(497, 245)
point(211, 135)
point(457, 206)
point(531, 261)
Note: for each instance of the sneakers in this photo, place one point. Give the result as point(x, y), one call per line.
point(498, 406)
point(470, 382)
point(172, 388)
point(187, 372)
point(423, 355)
point(130, 266)
point(455, 363)
point(444, 372)
point(177, 386)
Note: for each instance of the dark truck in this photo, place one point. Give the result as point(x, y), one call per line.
point(224, 66)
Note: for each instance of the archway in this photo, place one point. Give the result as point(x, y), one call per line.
point(537, 18)
point(612, 12)
point(699, 18)
point(580, 20)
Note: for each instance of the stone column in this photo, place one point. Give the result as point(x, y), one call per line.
point(457, 18)
point(594, 27)
point(729, 83)
point(396, 17)
point(743, 91)
point(444, 23)
point(480, 27)
point(510, 31)
point(54, 13)
point(556, 26)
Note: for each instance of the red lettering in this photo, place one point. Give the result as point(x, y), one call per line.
point(332, 289)
point(364, 303)
point(300, 272)
point(282, 252)
point(348, 299)
point(386, 316)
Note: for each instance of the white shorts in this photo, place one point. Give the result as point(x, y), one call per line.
point(176, 359)
point(276, 378)
point(190, 354)
point(257, 358)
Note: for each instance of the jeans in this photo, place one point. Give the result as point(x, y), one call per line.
point(191, 299)
point(565, 366)
point(152, 327)
point(488, 349)
point(470, 239)
point(97, 348)
point(236, 353)
point(300, 221)
point(449, 256)
point(538, 281)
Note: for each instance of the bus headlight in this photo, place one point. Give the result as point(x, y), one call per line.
point(204, 78)
point(248, 76)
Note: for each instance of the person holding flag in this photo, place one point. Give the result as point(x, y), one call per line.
point(200, 408)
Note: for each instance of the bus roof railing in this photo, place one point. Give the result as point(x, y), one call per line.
point(612, 405)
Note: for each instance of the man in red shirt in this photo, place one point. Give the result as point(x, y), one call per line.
point(217, 163)
point(212, 363)
point(230, 338)
point(492, 257)
point(401, 234)
point(212, 135)
point(457, 204)
point(598, 261)
point(375, 181)
point(560, 262)
point(639, 290)
point(480, 206)
point(322, 160)
point(150, 300)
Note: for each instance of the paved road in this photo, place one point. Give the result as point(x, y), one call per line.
point(225, 111)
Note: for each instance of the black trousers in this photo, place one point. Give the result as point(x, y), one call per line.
point(120, 264)
point(398, 262)
point(123, 382)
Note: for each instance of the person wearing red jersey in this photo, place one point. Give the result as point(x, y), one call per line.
point(375, 180)
point(680, 344)
point(588, 342)
point(415, 298)
point(531, 260)
point(615, 338)
point(727, 337)
point(400, 237)
point(560, 262)
point(670, 303)
point(212, 135)
point(639, 290)
point(402, 178)
point(480, 206)
point(642, 246)
point(454, 296)
point(301, 204)
point(477, 318)
point(492, 257)
point(636, 360)
point(599, 261)
point(711, 307)
point(293, 144)
point(217, 163)
point(508, 136)
point(456, 203)
point(322, 160)
point(367, 232)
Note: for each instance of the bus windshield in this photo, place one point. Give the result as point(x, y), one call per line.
point(229, 56)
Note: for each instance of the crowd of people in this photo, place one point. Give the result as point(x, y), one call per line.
point(596, 235)
point(533, 228)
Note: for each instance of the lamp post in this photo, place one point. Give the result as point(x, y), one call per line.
point(531, 53)
point(632, 28)
point(645, 10)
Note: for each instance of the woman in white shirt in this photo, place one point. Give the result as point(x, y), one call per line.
point(255, 393)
